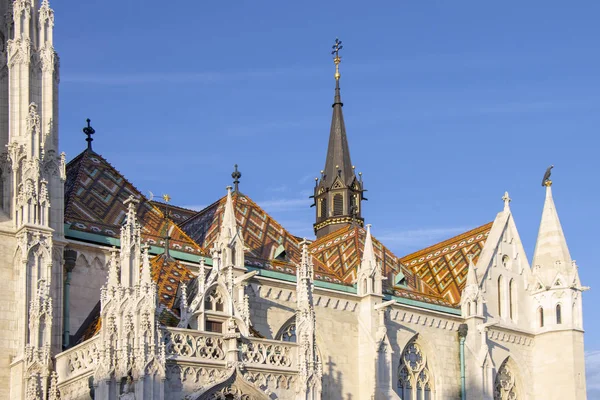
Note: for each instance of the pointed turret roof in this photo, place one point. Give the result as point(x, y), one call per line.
point(472, 273)
point(228, 226)
point(338, 152)
point(551, 255)
point(368, 259)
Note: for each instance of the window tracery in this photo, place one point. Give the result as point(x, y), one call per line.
point(505, 387)
point(415, 380)
point(288, 333)
point(214, 301)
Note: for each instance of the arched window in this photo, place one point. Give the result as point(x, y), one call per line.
point(541, 316)
point(288, 333)
point(505, 386)
point(338, 204)
point(468, 309)
point(415, 380)
point(500, 295)
point(511, 299)
point(323, 208)
point(353, 204)
point(558, 314)
point(214, 301)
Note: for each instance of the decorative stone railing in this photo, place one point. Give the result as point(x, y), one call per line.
point(78, 361)
point(190, 345)
point(269, 354)
point(212, 348)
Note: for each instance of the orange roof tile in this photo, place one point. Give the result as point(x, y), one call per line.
point(341, 252)
point(262, 234)
point(444, 265)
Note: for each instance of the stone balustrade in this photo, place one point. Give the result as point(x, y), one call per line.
point(191, 345)
point(78, 361)
point(211, 348)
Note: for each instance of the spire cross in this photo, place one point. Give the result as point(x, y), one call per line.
point(89, 131)
point(236, 175)
point(337, 59)
point(507, 200)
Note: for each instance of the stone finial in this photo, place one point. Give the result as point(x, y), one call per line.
point(507, 201)
point(146, 278)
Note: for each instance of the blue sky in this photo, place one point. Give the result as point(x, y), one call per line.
point(447, 105)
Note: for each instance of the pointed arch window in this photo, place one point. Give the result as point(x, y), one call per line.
point(541, 317)
point(338, 204)
point(558, 314)
point(322, 208)
point(288, 332)
point(415, 380)
point(214, 301)
point(500, 295)
point(505, 386)
point(511, 299)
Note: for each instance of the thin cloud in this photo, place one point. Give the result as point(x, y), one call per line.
point(284, 204)
point(207, 77)
point(592, 376)
point(418, 237)
point(195, 207)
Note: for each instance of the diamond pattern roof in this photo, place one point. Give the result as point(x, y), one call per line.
point(94, 195)
point(341, 252)
point(262, 234)
point(444, 266)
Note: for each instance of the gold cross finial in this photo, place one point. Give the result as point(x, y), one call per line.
point(337, 59)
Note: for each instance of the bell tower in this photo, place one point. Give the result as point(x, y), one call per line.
point(32, 176)
point(338, 193)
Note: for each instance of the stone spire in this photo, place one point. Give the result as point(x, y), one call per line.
point(309, 382)
point(228, 226)
point(338, 192)
point(471, 296)
point(551, 256)
point(146, 277)
point(230, 243)
point(131, 245)
point(369, 274)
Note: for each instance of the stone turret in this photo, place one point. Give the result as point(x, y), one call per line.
point(556, 311)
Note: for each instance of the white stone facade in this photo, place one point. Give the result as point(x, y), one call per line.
point(521, 325)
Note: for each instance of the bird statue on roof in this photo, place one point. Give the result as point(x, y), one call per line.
point(546, 181)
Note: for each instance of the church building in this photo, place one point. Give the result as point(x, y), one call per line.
point(109, 294)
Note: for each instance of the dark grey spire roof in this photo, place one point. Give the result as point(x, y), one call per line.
point(338, 152)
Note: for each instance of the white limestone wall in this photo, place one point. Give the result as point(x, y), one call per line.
point(8, 310)
point(559, 366)
point(273, 303)
point(437, 335)
point(88, 276)
point(518, 346)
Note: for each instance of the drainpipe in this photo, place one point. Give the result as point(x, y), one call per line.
point(70, 257)
point(462, 335)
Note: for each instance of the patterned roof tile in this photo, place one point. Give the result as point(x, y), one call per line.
point(341, 252)
point(94, 195)
point(444, 265)
point(262, 234)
